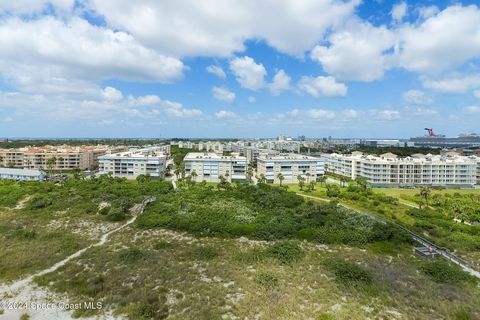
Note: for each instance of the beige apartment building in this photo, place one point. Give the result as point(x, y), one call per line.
point(290, 166)
point(210, 166)
point(66, 157)
point(390, 170)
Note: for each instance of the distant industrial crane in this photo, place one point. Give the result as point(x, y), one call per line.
point(430, 132)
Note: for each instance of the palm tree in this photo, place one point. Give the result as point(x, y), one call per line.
point(425, 194)
point(50, 163)
point(60, 159)
point(262, 179)
point(301, 182)
point(322, 179)
point(249, 174)
point(308, 176)
point(280, 177)
point(194, 175)
point(361, 182)
point(227, 175)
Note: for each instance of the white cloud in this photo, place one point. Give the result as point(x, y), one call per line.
point(47, 50)
point(280, 83)
point(357, 52)
point(416, 97)
point(472, 109)
point(220, 28)
point(217, 71)
point(98, 105)
point(322, 87)
point(223, 114)
point(309, 114)
point(112, 94)
point(454, 83)
point(223, 94)
point(388, 115)
point(251, 99)
point(442, 42)
point(427, 12)
point(351, 113)
point(476, 93)
point(399, 11)
point(29, 7)
point(248, 73)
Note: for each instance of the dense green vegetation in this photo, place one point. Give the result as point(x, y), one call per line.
point(435, 219)
point(265, 213)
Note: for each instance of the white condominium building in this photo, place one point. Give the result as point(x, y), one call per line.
point(21, 174)
point(390, 170)
point(210, 166)
point(290, 166)
point(131, 164)
point(252, 153)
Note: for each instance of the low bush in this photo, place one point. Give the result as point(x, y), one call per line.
point(441, 271)
point(132, 255)
point(267, 280)
point(349, 273)
point(284, 252)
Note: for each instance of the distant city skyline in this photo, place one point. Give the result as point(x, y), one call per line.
point(238, 69)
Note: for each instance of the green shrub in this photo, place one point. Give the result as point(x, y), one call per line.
point(349, 273)
point(284, 252)
point(115, 214)
point(40, 202)
point(267, 280)
point(140, 311)
point(444, 272)
point(132, 255)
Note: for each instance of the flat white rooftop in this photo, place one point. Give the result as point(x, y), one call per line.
point(293, 157)
point(22, 172)
point(211, 156)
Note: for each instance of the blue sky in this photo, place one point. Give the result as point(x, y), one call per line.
point(119, 68)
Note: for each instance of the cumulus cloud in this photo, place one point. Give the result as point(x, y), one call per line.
point(357, 52)
point(249, 74)
point(416, 97)
point(472, 109)
point(454, 83)
point(442, 42)
point(223, 114)
point(439, 42)
point(280, 83)
point(399, 11)
point(43, 50)
point(216, 70)
point(29, 7)
point(388, 115)
point(220, 28)
point(223, 94)
point(322, 87)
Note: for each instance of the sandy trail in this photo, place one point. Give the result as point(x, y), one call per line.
point(25, 291)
